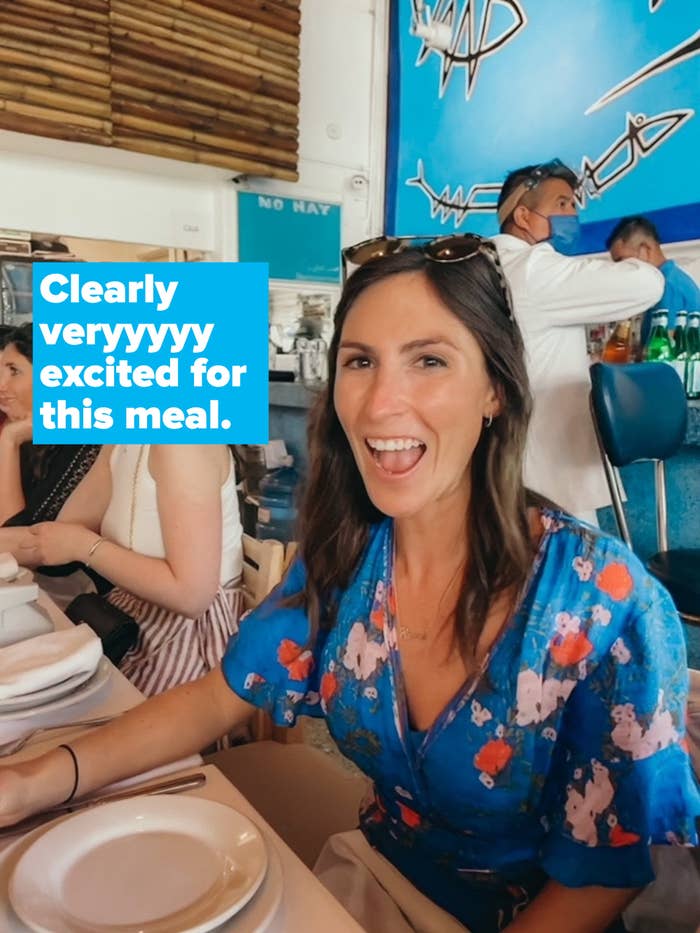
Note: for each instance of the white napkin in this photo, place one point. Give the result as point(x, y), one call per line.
point(45, 660)
point(8, 566)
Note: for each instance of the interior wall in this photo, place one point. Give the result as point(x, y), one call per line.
point(686, 255)
point(84, 191)
point(87, 191)
point(344, 56)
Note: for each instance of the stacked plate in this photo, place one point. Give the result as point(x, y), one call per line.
point(50, 671)
point(58, 696)
point(144, 865)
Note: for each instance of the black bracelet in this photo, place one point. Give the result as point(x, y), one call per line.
point(77, 772)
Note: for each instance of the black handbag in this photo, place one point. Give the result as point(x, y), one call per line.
point(117, 630)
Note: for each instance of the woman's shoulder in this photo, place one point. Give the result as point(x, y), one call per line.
point(214, 459)
point(378, 533)
point(593, 560)
point(593, 599)
point(569, 532)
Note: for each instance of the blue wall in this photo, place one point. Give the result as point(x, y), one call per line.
point(611, 87)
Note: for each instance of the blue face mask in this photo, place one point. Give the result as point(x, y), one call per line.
point(565, 233)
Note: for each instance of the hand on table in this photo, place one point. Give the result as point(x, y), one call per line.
point(14, 802)
point(52, 543)
point(32, 786)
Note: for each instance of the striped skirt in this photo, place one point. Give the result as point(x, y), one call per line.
point(172, 648)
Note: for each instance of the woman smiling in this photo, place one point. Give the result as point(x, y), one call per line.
point(512, 680)
point(35, 480)
point(16, 404)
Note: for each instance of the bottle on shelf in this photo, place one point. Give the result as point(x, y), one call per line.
point(692, 369)
point(618, 348)
point(658, 346)
point(680, 345)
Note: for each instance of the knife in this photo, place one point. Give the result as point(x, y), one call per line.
point(173, 786)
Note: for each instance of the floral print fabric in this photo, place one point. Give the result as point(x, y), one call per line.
point(565, 757)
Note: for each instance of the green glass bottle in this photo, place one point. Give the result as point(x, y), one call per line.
point(692, 370)
point(659, 346)
point(680, 345)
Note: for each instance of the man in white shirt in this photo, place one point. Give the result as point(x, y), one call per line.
point(554, 296)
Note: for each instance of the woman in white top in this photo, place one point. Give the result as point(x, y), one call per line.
point(162, 523)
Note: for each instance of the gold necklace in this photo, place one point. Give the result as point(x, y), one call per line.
point(404, 631)
point(409, 634)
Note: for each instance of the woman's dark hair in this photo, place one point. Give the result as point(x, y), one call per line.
point(336, 512)
point(35, 459)
point(5, 329)
point(19, 337)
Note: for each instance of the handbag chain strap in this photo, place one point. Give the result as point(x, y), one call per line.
point(134, 484)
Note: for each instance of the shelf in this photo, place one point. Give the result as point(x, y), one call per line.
point(293, 394)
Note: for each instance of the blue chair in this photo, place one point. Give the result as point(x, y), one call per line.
point(640, 413)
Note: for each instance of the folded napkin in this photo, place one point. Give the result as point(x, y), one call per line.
point(40, 662)
point(8, 566)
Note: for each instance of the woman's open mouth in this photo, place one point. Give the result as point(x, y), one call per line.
point(396, 455)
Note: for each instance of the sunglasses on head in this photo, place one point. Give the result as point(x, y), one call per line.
point(553, 169)
point(440, 249)
point(454, 248)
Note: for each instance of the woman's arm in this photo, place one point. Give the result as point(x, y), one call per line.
point(86, 505)
point(164, 728)
point(188, 481)
point(11, 539)
point(623, 755)
point(12, 436)
point(589, 909)
point(88, 502)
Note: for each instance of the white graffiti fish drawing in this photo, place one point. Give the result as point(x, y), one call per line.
point(641, 137)
point(480, 199)
point(471, 39)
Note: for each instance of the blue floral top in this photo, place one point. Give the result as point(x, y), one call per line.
point(566, 758)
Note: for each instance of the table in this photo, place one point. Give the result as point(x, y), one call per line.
point(117, 694)
point(305, 907)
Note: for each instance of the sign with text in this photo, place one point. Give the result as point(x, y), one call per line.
point(150, 353)
point(298, 238)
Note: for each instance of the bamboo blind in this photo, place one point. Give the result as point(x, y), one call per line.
point(184, 79)
point(209, 81)
point(54, 69)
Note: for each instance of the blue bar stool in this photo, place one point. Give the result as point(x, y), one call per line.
point(640, 413)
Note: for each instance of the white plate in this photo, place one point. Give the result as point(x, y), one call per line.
point(255, 917)
point(259, 911)
point(86, 689)
point(39, 697)
point(144, 865)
